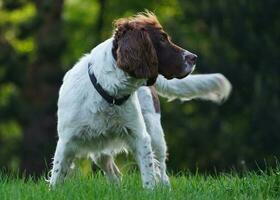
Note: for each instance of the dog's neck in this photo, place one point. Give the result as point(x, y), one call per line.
point(112, 79)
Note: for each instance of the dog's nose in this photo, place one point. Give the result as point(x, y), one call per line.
point(191, 59)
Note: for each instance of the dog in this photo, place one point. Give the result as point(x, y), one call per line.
point(108, 101)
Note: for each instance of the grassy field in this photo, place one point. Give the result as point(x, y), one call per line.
point(253, 186)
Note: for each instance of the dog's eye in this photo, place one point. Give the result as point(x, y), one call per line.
point(164, 37)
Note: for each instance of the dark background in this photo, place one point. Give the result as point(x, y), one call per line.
point(40, 40)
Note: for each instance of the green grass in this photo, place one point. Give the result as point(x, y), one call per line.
point(225, 186)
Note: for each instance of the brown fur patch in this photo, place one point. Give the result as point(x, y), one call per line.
point(155, 99)
point(133, 48)
point(141, 19)
point(136, 54)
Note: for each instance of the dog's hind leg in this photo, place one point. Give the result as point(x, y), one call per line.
point(108, 166)
point(62, 161)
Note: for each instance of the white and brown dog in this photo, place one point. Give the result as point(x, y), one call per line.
point(105, 105)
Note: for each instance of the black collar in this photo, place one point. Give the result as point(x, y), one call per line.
point(110, 99)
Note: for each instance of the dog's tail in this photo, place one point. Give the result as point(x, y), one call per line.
point(213, 87)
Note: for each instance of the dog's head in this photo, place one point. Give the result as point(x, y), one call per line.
point(143, 49)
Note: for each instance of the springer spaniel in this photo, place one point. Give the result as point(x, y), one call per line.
point(105, 105)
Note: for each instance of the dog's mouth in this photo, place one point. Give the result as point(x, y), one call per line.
point(187, 69)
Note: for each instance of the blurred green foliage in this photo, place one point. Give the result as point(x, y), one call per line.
point(40, 40)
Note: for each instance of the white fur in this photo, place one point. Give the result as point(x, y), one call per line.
point(89, 126)
point(213, 87)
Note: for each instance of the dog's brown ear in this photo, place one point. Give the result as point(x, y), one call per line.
point(136, 54)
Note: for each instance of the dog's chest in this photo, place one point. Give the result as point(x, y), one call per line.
point(104, 131)
point(106, 122)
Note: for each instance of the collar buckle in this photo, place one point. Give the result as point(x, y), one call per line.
point(113, 102)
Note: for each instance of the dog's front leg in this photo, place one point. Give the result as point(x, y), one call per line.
point(142, 150)
point(155, 130)
point(140, 144)
point(62, 160)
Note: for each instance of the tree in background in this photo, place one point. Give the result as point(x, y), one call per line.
point(43, 79)
point(33, 39)
point(15, 53)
